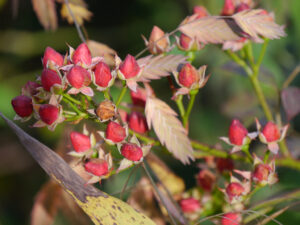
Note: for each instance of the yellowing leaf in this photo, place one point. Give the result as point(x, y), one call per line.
point(99, 49)
point(168, 129)
point(79, 12)
point(100, 207)
point(159, 66)
point(46, 13)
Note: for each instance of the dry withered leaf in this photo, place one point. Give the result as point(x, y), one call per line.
point(100, 49)
point(106, 110)
point(80, 13)
point(159, 66)
point(168, 129)
point(46, 13)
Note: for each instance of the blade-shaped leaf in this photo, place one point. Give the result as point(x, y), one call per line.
point(159, 66)
point(46, 13)
point(290, 99)
point(168, 129)
point(100, 207)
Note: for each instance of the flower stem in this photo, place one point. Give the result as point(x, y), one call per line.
point(193, 94)
point(80, 113)
point(67, 96)
point(180, 105)
point(106, 94)
point(122, 94)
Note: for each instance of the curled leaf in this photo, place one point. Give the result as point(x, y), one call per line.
point(46, 13)
point(169, 129)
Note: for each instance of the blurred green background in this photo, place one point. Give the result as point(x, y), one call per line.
point(120, 24)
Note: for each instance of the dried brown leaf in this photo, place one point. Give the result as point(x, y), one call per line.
point(46, 13)
point(290, 99)
point(80, 13)
point(99, 49)
point(169, 129)
point(159, 66)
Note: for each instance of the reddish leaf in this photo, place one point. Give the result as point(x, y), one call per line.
point(290, 99)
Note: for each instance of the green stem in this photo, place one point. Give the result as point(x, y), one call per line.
point(67, 96)
point(147, 140)
point(186, 116)
point(80, 113)
point(245, 149)
point(122, 94)
point(261, 56)
point(239, 61)
point(249, 54)
point(106, 94)
point(180, 105)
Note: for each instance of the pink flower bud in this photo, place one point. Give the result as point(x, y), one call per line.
point(115, 132)
point(157, 44)
point(237, 132)
point(30, 88)
point(206, 179)
point(189, 205)
point(49, 78)
point(185, 41)
point(242, 7)
point(187, 75)
point(129, 67)
point(261, 172)
point(80, 142)
point(98, 167)
point(52, 55)
point(137, 122)
point(231, 219)
point(132, 152)
point(48, 113)
point(78, 77)
point(82, 54)
point(224, 164)
point(228, 8)
point(102, 74)
point(139, 97)
point(234, 189)
point(22, 105)
point(200, 11)
point(271, 132)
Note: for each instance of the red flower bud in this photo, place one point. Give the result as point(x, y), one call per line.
point(228, 8)
point(242, 7)
point(189, 205)
point(271, 132)
point(200, 11)
point(52, 55)
point(82, 54)
point(137, 122)
point(234, 189)
point(231, 219)
point(48, 113)
point(132, 152)
point(224, 164)
point(80, 142)
point(261, 172)
point(115, 132)
point(129, 67)
point(78, 77)
point(30, 88)
point(206, 179)
point(22, 105)
point(98, 167)
point(139, 97)
point(237, 132)
point(102, 74)
point(49, 78)
point(157, 44)
point(187, 75)
point(185, 41)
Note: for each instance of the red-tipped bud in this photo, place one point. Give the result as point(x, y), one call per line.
point(22, 105)
point(30, 88)
point(224, 164)
point(228, 8)
point(49, 78)
point(129, 67)
point(200, 11)
point(157, 44)
point(137, 122)
point(53, 56)
point(78, 77)
point(231, 219)
point(82, 54)
point(271, 132)
point(185, 41)
point(261, 172)
point(115, 132)
point(48, 113)
point(132, 152)
point(206, 179)
point(102, 74)
point(139, 97)
point(98, 167)
point(242, 7)
point(189, 205)
point(237, 132)
point(80, 142)
point(187, 75)
point(234, 189)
